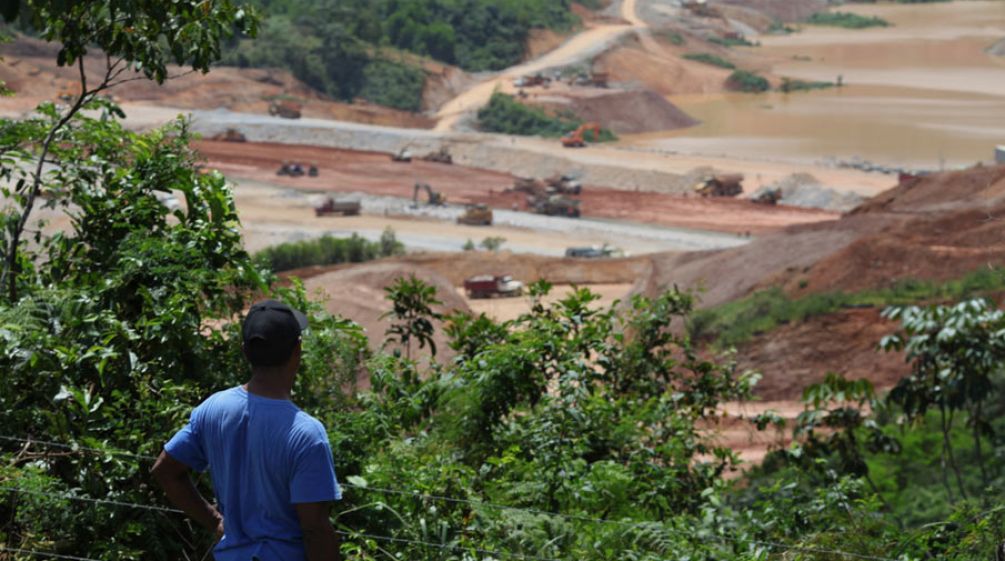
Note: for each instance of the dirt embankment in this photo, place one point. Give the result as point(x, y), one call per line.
point(787, 11)
point(30, 70)
point(932, 228)
point(358, 293)
point(936, 228)
point(455, 267)
point(624, 112)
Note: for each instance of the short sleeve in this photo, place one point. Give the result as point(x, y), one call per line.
point(314, 478)
point(185, 445)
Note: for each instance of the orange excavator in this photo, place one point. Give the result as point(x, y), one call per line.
point(575, 138)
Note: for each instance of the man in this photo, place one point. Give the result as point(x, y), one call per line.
point(270, 462)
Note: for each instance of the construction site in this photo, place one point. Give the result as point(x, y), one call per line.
point(887, 176)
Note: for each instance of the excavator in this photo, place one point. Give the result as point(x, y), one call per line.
point(575, 138)
point(432, 197)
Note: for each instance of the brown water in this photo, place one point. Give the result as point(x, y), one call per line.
point(922, 93)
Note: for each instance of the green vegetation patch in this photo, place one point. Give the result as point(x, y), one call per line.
point(847, 20)
point(733, 323)
point(708, 58)
point(328, 250)
point(504, 114)
point(732, 41)
point(746, 81)
point(791, 85)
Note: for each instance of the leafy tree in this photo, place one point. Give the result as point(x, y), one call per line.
point(954, 351)
point(131, 37)
point(412, 310)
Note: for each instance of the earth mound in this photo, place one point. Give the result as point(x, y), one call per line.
point(627, 112)
point(357, 293)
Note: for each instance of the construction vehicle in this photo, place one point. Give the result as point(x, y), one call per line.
point(487, 286)
point(599, 79)
point(433, 198)
point(593, 252)
point(767, 197)
point(312, 171)
point(564, 184)
point(402, 155)
point(554, 205)
point(441, 156)
point(727, 185)
point(292, 169)
point(230, 135)
point(330, 206)
point(701, 8)
point(285, 108)
point(476, 215)
point(575, 139)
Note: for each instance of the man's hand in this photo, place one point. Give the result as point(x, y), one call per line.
point(172, 476)
point(320, 539)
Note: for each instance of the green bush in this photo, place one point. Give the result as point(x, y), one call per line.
point(790, 85)
point(731, 41)
point(847, 20)
point(504, 114)
point(327, 250)
point(745, 81)
point(708, 58)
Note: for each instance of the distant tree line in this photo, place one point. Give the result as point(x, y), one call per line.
point(356, 48)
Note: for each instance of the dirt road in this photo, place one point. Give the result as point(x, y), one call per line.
point(590, 42)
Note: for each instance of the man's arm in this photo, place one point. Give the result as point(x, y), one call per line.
point(172, 476)
point(320, 539)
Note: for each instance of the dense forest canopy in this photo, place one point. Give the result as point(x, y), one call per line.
point(352, 48)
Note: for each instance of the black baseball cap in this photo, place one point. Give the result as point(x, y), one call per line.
point(271, 332)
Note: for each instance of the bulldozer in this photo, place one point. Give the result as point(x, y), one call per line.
point(402, 155)
point(433, 198)
point(285, 108)
point(575, 138)
point(476, 215)
point(727, 185)
point(441, 156)
point(554, 205)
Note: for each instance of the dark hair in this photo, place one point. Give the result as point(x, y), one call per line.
point(262, 353)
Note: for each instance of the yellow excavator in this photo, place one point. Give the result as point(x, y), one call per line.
point(434, 198)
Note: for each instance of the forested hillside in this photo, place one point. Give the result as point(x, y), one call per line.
point(352, 48)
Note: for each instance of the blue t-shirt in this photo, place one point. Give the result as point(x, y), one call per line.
point(264, 455)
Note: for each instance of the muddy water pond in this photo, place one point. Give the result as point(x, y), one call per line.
point(921, 93)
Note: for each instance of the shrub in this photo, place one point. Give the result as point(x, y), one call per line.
point(745, 81)
point(847, 20)
point(708, 58)
point(504, 114)
point(327, 250)
point(732, 41)
point(790, 85)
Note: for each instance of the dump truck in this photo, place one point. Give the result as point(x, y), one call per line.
point(564, 184)
point(230, 135)
point(285, 108)
point(330, 206)
point(768, 197)
point(476, 215)
point(554, 205)
point(434, 198)
point(575, 139)
point(727, 185)
point(488, 286)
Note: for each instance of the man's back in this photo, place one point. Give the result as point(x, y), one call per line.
point(264, 455)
